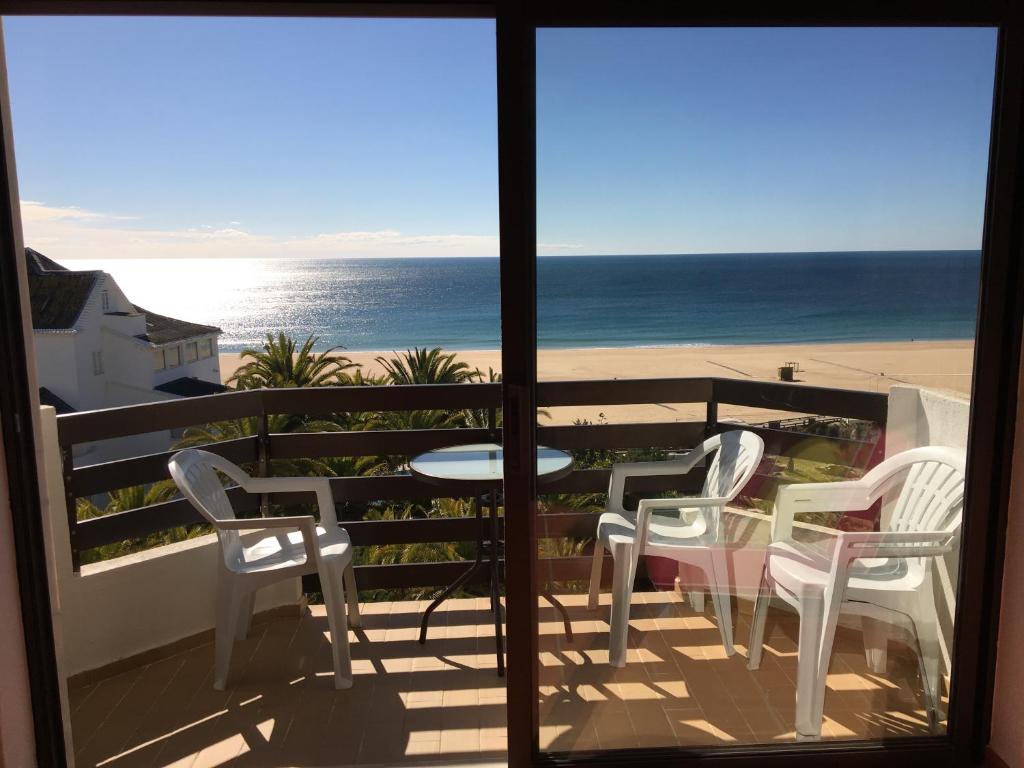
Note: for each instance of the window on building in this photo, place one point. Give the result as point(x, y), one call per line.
point(191, 351)
point(206, 348)
point(158, 360)
point(97, 363)
point(105, 299)
point(172, 357)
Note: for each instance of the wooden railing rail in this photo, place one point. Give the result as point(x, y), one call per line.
point(262, 448)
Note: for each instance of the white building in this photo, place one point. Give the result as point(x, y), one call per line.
point(95, 349)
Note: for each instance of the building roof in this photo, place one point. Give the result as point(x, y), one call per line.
point(57, 294)
point(46, 397)
point(161, 329)
point(188, 386)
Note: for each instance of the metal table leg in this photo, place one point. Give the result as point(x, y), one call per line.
point(479, 563)
point(495, 580)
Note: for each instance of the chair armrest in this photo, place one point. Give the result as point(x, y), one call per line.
point(320, 485)
point(853, 545)
point(653, 468)
point(647, 505)
point(297, 522)
point(621, 472)
point(846, 496)
point(304, 524)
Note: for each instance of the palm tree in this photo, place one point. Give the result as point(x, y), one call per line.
point(404, 420)
point(427, 366)
point(282, 363)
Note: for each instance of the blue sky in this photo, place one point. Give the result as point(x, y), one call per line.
point(173, 137)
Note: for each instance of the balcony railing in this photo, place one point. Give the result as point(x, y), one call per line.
point(264, 446)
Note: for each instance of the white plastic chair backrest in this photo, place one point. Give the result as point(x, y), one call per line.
point(193, 473)
point(736, 458)
point(932, 494)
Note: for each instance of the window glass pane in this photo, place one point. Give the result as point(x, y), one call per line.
point(288, 204)
point(782, 226)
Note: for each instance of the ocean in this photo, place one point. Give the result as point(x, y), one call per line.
point(583, 301)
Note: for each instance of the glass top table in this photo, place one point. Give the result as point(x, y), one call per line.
point(483, 463)
point(481, 466)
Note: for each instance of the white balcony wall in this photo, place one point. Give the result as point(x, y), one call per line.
point(130, 605)
point(919, 417)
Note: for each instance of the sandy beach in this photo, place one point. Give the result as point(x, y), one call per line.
point(873, 367)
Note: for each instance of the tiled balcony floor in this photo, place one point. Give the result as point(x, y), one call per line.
point(443, 701)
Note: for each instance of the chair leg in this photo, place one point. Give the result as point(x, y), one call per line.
point(819, 617)
point(595, 574)
point(926, 627)
point(697, 600)
point(808, 727)
point(248, 604)
point(622, 592)
point(334, 600)
point(931, 678)
point(722, 598)
point(229, 603)
point(352, 593)
point(876, 641)
point(755, 649)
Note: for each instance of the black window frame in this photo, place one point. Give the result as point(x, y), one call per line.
point(993, 407)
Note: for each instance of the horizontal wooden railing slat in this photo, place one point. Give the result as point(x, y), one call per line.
point(124, 473)
point(405, 442)
point(108, 423)
point(321, 400)
point(678, 434)
point(140, 522)
point(89, 426)
point(623, 391)
point(777, 441)
point(801, 398)
point(135, 523)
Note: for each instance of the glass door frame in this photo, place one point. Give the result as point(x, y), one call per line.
point(993, 405)
point(996, 353)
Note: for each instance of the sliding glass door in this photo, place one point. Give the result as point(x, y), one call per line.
point(759, 255)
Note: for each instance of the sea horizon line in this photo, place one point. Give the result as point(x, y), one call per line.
point(667, 254)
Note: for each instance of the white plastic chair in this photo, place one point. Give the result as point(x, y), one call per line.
point(297, 547)
point(885, 577)
point(692, 536)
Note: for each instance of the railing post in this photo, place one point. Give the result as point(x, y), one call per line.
point(263, 449)
point(711, 421)
point(492, 425)
point(68, 468)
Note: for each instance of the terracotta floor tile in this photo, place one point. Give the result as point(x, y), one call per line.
point(416, 703)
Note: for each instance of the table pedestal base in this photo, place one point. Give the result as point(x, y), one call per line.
point(494, 547)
